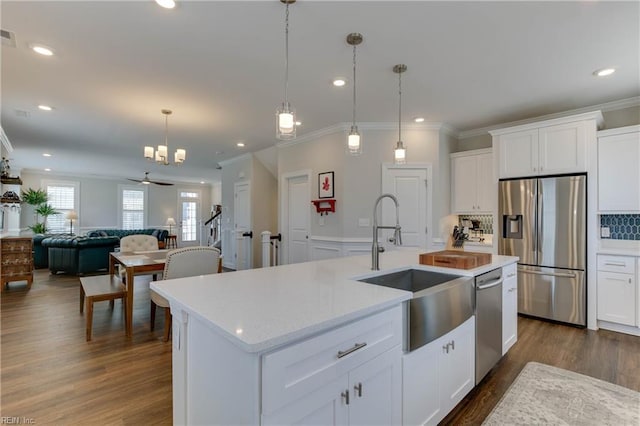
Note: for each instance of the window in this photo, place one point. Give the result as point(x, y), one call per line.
point(63, 197)
point(133, 206)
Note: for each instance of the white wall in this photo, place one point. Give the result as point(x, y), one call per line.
point(99, 201)
point(358, 179)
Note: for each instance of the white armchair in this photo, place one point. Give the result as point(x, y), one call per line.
point(136, 242)
point(180, 263)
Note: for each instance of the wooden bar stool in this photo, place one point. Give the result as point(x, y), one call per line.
point(99, 288)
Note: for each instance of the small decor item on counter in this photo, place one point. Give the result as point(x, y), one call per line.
point(459, 237)
point(325, 185)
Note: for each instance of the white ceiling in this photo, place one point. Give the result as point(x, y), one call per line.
point(220, 67)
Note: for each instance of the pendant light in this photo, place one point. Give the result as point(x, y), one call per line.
point(285, 115)
point(161, 155)
point(400, 152)
point(354, 140)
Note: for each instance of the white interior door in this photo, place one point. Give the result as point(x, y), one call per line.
point(410, 186)
point(242, 223)
point(189, 219)
point(296, 201)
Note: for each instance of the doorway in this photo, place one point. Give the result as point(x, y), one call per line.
point(242, 246)
point(188, 218)
point(295, 207)
point(410, 184)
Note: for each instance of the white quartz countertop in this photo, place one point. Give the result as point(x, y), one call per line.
point(261, 309)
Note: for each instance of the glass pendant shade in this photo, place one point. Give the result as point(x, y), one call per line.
point(285, 115)
point(400, 153)
point(179, 156)
point(148, 152)
point(354, 141)
point(285, 122)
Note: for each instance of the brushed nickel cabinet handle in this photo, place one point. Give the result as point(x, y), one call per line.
point(345, 395)
point(353, 349)
point(357, 389)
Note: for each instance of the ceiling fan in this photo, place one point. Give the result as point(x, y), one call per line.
point(147, 181)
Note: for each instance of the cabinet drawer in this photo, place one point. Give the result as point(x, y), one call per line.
point(295, 371)
point(622, 264)
point(509, 271)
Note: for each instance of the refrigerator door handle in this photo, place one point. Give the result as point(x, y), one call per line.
point(553, 274)
point(539, 221)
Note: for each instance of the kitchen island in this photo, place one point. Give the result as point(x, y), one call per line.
point(274, 345)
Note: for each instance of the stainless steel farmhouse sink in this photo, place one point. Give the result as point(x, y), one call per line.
point(440, 302)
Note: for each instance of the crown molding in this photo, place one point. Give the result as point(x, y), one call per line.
point(605, 107)
point(241, 157)
point(530, 125)
point(5, 140)
point(345, 127)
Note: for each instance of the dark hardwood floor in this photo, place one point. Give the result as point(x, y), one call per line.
point(50, 374)
point(605, 355)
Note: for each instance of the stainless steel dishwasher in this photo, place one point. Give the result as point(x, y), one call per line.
point(488, 322)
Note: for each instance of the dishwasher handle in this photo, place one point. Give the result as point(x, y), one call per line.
point(490, 284)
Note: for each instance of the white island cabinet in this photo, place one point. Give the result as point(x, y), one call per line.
point(309, 344)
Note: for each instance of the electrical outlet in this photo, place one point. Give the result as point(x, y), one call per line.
point(363, 222)
point(605, 232)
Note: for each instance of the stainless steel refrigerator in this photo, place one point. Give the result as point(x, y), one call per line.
point(543, 221)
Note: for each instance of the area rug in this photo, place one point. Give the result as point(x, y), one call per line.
point(542, 394)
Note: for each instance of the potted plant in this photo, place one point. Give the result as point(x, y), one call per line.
point(38, 199)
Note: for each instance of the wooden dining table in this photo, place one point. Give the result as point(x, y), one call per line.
point(136, 263)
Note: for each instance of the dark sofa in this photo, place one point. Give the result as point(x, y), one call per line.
point(160, 234)
point(40, 253)
point(79, 255)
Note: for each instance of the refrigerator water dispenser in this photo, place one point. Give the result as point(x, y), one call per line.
point(512, 226)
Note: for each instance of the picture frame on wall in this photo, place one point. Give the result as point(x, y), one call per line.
point(325, 185)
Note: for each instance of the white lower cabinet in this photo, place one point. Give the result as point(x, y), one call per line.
point(351, 375)
point(509, 307)
point(617, 289)
point(438, 375)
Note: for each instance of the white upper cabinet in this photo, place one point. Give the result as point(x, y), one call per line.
point(472, 182)
point(619, 170)
point(548, 147)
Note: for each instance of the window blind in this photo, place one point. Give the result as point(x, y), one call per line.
point(62, 198)
point(132, 209)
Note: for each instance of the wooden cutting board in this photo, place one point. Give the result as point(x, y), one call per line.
point(455, 259)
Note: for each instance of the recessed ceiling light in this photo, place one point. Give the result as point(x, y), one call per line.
point(46, 154)
point(339, 82)
point(419, 119)
point(167, 4)
point(201, 182)
point(240, 144)
point(47, 170)
point(604, 72)
point(298, 123)
point(42, 50)
point(45, 107)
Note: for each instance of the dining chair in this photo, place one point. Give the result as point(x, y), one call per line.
point(181, 263)
point(136, 242)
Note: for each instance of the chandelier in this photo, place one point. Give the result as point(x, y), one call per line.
point(161, 155)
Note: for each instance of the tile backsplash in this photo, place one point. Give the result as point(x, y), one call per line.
point(486, 221)
point(622, 226)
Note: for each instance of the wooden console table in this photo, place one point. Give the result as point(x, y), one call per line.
point(17, 260)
